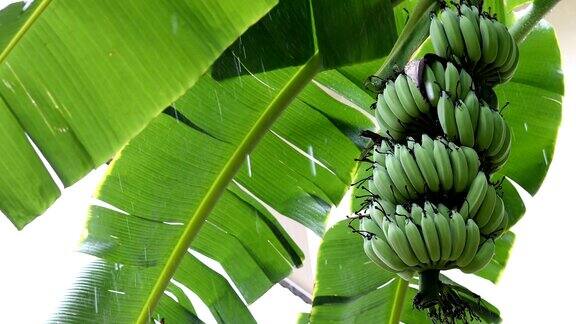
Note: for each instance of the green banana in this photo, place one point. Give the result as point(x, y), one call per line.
point(475, 196)
point(398, 176)
point(407, 275)
point(442, 209)
point(416, 242)
point(512, 61)
point(438, 37)
point(429, 208)
point(503, 226)
point(510, 67)
point(430, 235)
point(411, 169)
point(417, 213)
point(401, 216)
point(389, 207)
point(421, 103)
point(458, 231)
point(446, 116)
point(385, 253)
point(464, 124)
point(432, 88)
point(444, 235)
point(426, 166)
point(438, 70)
point(370, 226)
point(443, 166)
point(471, 39)
point(451, 26)
point(482, 257)
point(499, 134)
point(379, 154)
point(385, 224)
point(452, 79)
point(398, 241)
point(386, 130)
point(405, 96)
point(504, 44)
point(385, 187)
point(377, 215)
point(368, 249)
point(502, 156)
point(497, 216)
point(489, 37)
point(473, 106)
point(427, 142)
point(390, 119)
point(472, 161)
point(471, 246)
point(393, 102)
point(485, 129)
point(472, 15)
point(459, 168)
point(466, 84)
point(487, 208)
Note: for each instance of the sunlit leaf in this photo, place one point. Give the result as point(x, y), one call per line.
point(83, 77)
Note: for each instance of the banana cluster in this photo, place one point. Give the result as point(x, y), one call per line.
point(415, 170)
point(401, 108)
point(461, 115)
point(485, 207)
point(429, 237)
point(432, 205)
point(475, 40)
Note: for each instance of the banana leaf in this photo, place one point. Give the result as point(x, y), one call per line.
point(81, 78)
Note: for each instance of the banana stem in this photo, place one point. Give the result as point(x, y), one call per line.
point(524, 25)
point(412, 36)
point(399, 298)
point(430, 286)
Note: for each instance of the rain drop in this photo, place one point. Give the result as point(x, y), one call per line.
point(312, 163)
point(545, 157)
point(174, 24)
point(249, 165)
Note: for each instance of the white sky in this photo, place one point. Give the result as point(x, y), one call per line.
point(39, 263)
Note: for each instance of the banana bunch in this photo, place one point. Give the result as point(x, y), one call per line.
point(407, 172)
point(462, 117)
point(476, 40)
point(423, 238)
point(431, 204)
point(400, 108)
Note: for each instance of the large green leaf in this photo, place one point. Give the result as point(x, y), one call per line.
point(81, 78)
point(289, 34)
point(369, 31)
point(157, 189)
point(301, 168)
point(535, 96)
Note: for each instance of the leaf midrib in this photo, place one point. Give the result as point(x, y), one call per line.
point(225, 176)
point(25, 27)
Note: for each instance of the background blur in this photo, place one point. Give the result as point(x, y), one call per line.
point(40, 262)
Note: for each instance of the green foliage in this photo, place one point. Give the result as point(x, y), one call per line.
point(81, 78)
point(102, 71)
